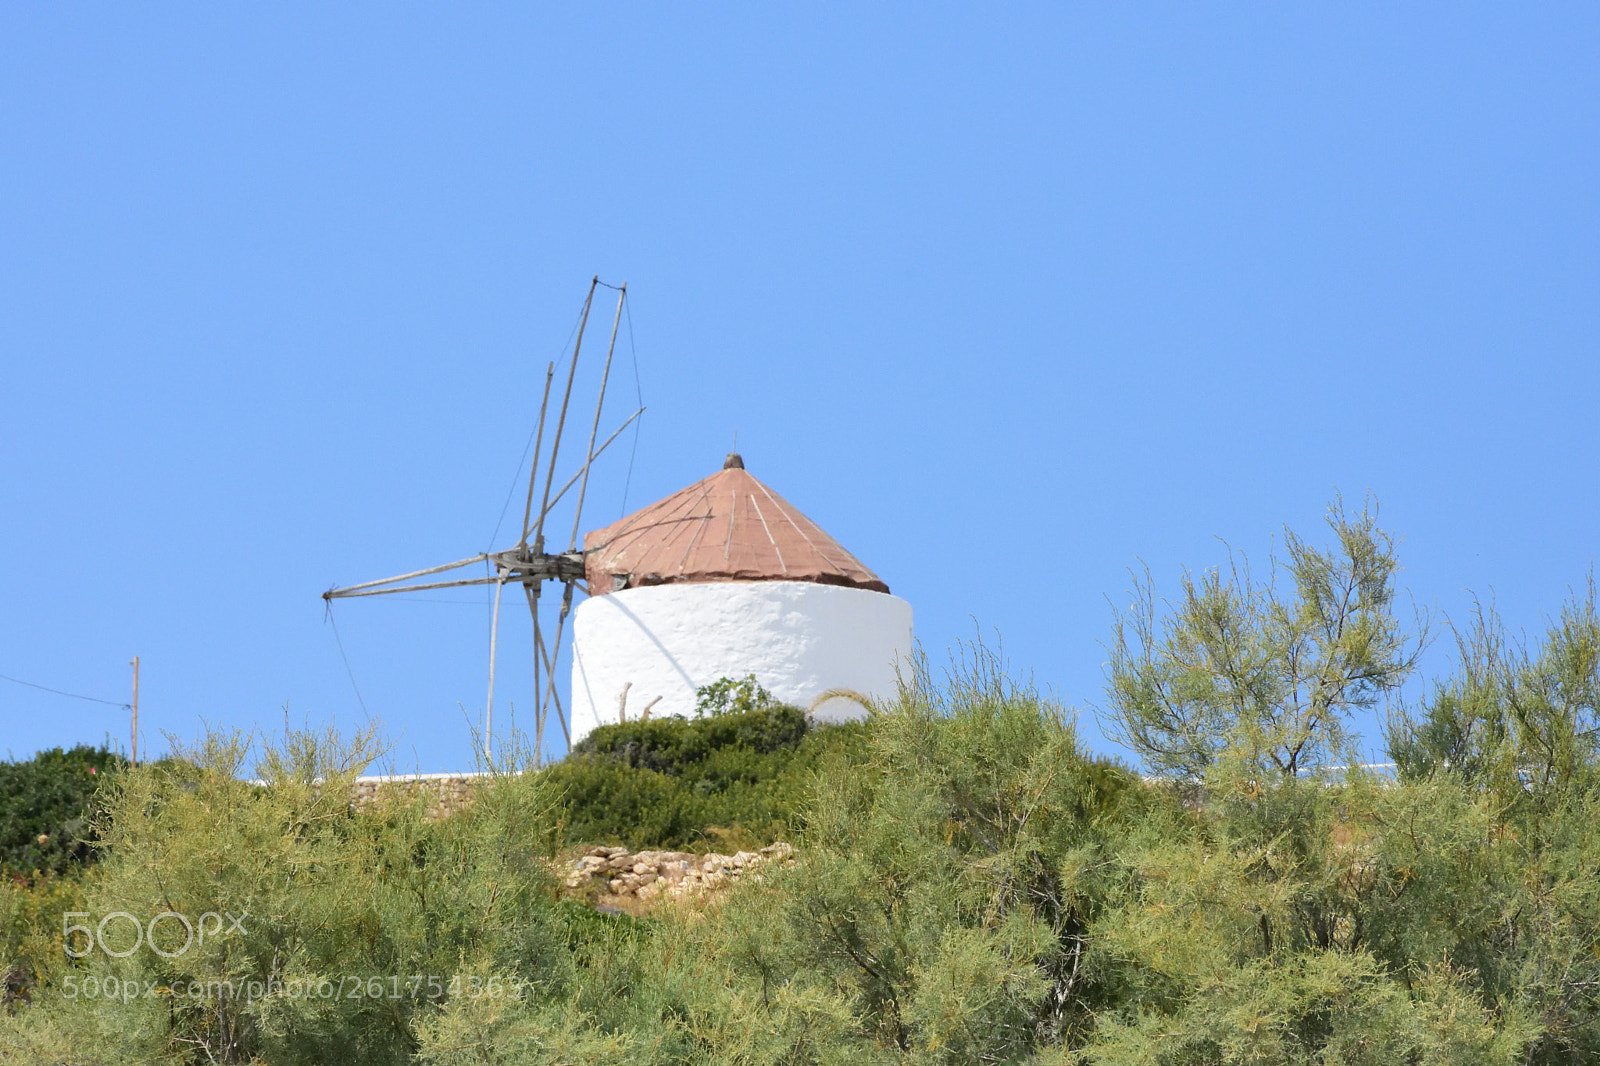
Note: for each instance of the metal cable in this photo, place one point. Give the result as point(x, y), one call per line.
point(60, 692)
point(349, 672)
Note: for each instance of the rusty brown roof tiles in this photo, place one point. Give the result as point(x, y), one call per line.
point(727, 527)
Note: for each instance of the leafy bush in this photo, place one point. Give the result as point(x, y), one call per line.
point(951, 879)
point(678, 746)
point(731, 695)
point(45, 808)
point(328, 895)
point(953, 859)
point(740, 771)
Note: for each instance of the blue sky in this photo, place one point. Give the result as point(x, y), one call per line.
point(1008, 299)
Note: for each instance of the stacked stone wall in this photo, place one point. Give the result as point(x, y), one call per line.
point(656, 875)
point(633, 878)
point(445, 794)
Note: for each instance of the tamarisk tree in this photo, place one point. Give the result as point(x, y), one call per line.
point(1269, 674)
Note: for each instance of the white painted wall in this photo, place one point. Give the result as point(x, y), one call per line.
point(799, 639)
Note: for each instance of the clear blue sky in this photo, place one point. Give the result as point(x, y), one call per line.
point(1007, 298)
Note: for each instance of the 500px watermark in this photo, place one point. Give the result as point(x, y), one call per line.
point(168, 945)
point(350, 986)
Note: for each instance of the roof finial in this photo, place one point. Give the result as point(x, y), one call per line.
point(733, 462)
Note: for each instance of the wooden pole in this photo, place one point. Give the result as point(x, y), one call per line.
point(538, 443)
point(550, 666)
point(135, 665)
point(412, 588)
point(348, 589)
point(555, 695)
point(594, 430)
point(494, 632)
point(573, 480)
point(532, 592)
point(561, 421)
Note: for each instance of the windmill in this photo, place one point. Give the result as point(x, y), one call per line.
point(527, 563)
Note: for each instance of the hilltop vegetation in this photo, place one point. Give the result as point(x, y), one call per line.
point(45, 808)
point(970, 884)
point(736, 774)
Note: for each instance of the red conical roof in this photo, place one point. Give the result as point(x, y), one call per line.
point(727, 527)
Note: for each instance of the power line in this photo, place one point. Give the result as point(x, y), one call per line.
point(59, 692)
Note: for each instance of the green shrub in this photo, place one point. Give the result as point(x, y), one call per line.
point(731, 695)
point(677, 746)
point(45, 806)
point(375, 901)
point(742, 768)
point(953, 859)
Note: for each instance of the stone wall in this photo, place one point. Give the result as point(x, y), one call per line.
point(658, 875)
point(633, 879)
point(445, 794)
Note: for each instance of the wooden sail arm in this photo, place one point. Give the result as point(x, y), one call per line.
point(573, 480)
point(350, 593)
point(525, 564)
point(350, 590)
point(518, 564)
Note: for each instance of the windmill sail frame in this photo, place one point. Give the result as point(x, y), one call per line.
point(528, 564)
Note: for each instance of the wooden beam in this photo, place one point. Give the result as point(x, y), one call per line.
point(573, 480)
point(335, 593)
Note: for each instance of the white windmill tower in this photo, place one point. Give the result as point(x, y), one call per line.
point(527, 563)
point(725, 578)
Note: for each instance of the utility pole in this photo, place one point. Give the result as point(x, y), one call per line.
point(135, 665)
